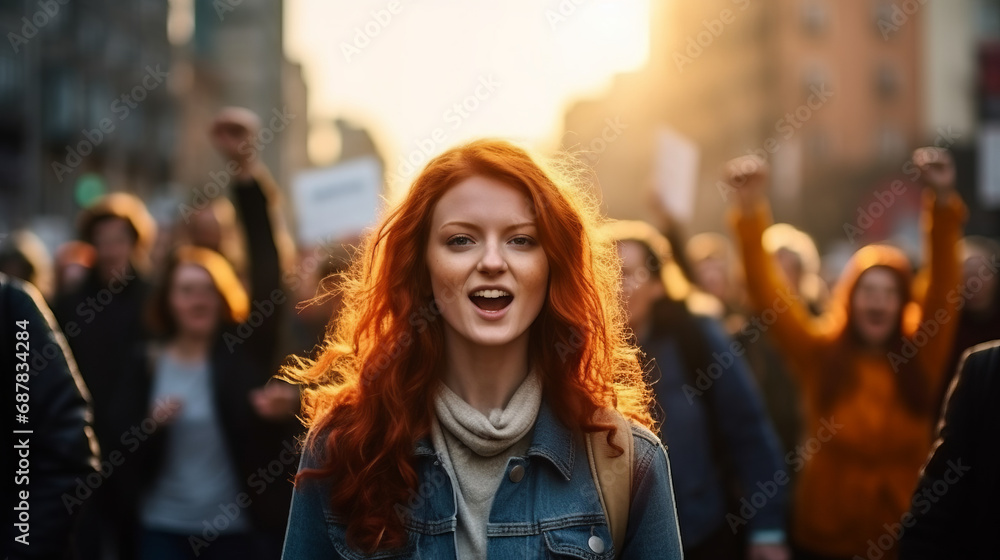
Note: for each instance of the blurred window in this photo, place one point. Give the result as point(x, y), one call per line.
point(891, 144)
point(814, 17)
point(881, 14)
point(814, 77)
point(887, 80)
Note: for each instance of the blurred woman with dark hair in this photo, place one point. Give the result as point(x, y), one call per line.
point(479, 344)
point(868, 368)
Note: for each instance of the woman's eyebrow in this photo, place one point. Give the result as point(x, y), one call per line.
point(470, 225)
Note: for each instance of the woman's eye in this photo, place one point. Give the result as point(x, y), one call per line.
point(523, 241)
point(460, 240)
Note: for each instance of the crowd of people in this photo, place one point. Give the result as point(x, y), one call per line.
point(491, 345)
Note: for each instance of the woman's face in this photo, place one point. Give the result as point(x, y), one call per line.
point(194, 302)
point(640, 287)
point(876, 306)
point(488, 272)
point(113, 243)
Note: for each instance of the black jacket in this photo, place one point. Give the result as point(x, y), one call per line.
point(59, 450)
point(102, 321)
point(955, 507)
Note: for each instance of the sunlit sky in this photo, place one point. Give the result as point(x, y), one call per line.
point(528, 58)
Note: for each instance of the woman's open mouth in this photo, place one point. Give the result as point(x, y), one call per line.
point(491, 301)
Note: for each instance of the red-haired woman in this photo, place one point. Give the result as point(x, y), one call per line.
point(481, 341)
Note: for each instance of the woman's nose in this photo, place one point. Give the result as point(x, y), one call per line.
point(492, 260)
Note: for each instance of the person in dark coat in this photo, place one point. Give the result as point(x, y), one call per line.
point(52, 450)
point(953, 512)
point(730, 482)
point(979, 301)
point(105, 309)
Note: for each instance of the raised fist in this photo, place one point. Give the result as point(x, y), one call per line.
point(748, 175)
point(937, 169)
point(232, 133)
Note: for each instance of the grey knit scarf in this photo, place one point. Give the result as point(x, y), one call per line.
point(475, 449)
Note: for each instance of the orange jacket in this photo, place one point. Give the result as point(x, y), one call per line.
point(861, 454)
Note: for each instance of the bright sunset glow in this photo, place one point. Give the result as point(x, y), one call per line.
point(435, 73)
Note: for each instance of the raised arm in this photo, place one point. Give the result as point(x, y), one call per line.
point(793, 328)
point(255, 197)
point(943, 215)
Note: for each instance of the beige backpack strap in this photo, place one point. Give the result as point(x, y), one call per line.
point(612, 475)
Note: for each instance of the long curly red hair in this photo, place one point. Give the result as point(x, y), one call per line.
point(369, 393)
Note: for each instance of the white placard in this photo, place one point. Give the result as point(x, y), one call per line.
point(676, 173)
point(989, 165)
point(337, 201)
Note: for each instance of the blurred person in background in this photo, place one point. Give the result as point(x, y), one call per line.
point(868, 368)
point(713, 259)
point(225, 441)
point(107, 308)
point(953, 512)
point(320, 299)
point(73, 262)
point(798, 259)
point(712, 263)
point(979, 306)
point(215, 227)
point(58, 443)
point(720, 439)
point(24, 256)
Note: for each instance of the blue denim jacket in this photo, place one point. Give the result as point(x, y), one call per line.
point(552, 511)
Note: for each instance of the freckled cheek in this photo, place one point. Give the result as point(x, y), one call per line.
point(448, 273)
point(535, 277)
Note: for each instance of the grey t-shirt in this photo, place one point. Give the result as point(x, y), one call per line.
point(198, 481)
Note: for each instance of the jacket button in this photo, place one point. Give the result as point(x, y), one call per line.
point(596, 544)
point(516, 473)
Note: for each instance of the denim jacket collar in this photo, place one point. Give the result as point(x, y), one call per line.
point(551, 440)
